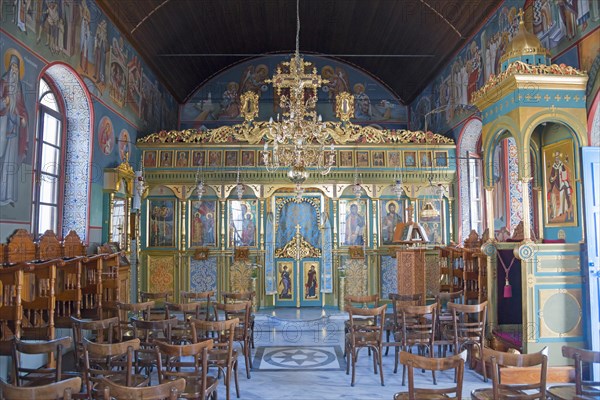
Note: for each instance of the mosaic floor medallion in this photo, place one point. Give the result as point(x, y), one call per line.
point(282, 358)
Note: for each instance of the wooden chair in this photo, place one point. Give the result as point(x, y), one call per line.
point(127, 311)
point(412, 361)
point(366, 334)
point(536, 390)
point(581, 387)
point(63, 390)
point(148, 332)
point(156, 297)
point(51, 372)
point(469, 322)
point(370, 301)
point(204, 298)
point(183, 310)
point(160, 299)
point(110, 360)
point(243, 296)
point(222, 356)
point(444, 337)
point(99, 331)
point(416, 328)
point(188, 361)
point(167, 391)
point(243, 332)
point(391, 321)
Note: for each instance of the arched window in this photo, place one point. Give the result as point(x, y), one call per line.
point(470, 172)
point(48, 168)
point(475, 187)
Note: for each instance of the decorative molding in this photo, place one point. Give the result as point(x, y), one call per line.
point(298, 248)
point(255, 132)
point(521, 68)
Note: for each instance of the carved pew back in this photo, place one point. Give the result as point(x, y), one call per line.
point(49, 247)
point(73, 246)
point(11, 310)
point(39, 300)
point(21, 247)
point(91, 287)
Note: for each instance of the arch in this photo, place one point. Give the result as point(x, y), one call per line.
point(594, 123)
point(578, 130)
point(230, 191)
point(78, 161)
point(500, 127)
point(467, 142)
point(558, 116)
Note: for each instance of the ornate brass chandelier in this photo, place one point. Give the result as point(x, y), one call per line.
point(299, 139)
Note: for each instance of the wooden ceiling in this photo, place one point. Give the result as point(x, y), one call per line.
point(404, 43)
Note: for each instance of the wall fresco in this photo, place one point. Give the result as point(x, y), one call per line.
point(79, 34)
point(558, 25)
point(217, 101)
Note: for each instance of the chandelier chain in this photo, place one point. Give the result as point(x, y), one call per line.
point(297, 28)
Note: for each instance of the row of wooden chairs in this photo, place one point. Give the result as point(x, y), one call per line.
point(70, 388)
point(124, 362)
point(444, 324)
point(173, 330)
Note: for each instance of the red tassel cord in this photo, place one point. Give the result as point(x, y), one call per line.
point(507, 287)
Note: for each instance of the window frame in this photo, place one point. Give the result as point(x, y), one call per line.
point(40, 146)
point(475, 162)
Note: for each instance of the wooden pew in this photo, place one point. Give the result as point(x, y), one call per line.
point(11, 310)
point(91, 287)
point(39, 300)
point(111, 292)
point(67, 288)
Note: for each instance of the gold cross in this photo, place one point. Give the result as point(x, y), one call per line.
point(297, 76)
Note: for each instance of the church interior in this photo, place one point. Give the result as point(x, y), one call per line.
point(267, 187)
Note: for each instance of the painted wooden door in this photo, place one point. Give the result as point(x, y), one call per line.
point(591, 186)
point(298, 283)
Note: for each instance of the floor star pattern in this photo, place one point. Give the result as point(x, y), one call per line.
point(300, 357)
point(279, 358)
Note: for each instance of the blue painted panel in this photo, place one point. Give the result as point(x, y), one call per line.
point(590, 167)
point(203, 275)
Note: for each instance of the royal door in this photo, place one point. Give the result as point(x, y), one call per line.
point(298, 251)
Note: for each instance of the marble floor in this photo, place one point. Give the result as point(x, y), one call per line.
point(298, 355)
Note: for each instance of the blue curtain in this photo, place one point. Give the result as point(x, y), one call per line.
point(327, 269)
point(270, 281)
